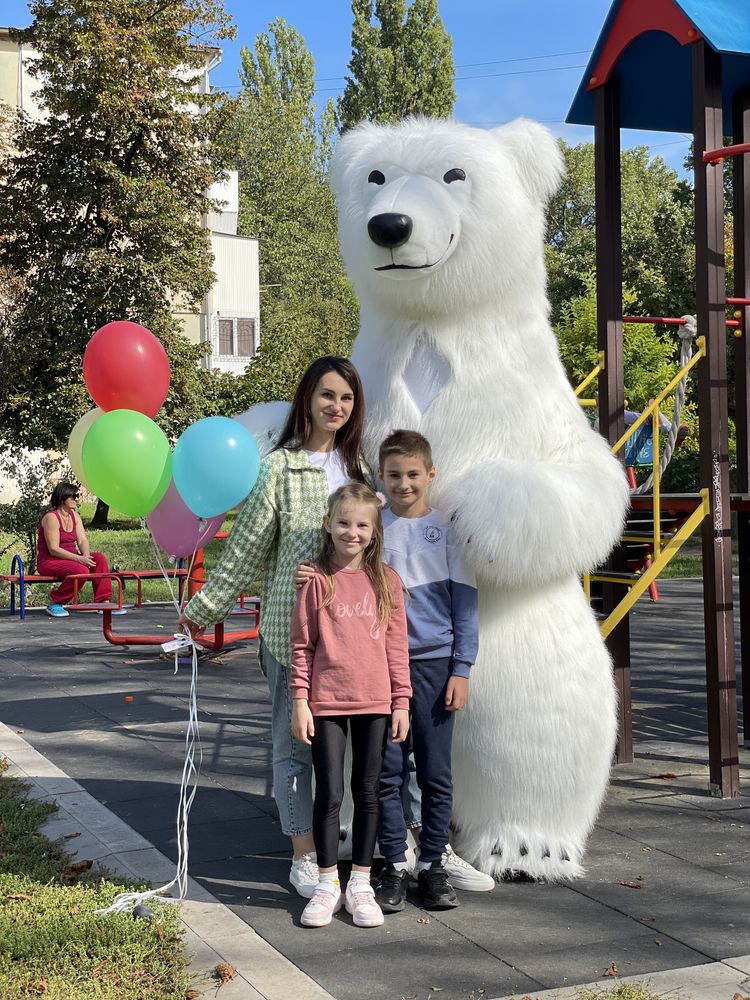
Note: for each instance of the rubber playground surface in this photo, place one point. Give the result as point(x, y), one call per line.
point(668, 868)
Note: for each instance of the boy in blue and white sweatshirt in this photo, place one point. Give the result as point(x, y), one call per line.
point(442, 620)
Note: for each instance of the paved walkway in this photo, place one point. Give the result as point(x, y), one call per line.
point(64, 689)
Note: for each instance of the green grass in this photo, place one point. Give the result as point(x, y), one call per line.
point(52, 943)
point(125, 544)
point(623, 991)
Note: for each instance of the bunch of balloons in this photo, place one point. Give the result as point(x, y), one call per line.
point(119, 453)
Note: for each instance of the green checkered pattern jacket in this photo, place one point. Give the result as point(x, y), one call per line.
point(277, 529)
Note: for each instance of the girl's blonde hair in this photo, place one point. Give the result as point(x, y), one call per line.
point(372, 560)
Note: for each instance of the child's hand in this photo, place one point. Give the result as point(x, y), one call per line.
point(399, 725)
point(304, 572)
point(457, 694)
point(303, 727)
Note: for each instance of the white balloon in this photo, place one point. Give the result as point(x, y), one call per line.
point(265, 422)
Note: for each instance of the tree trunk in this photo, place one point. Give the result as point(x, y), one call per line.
point(99, 520)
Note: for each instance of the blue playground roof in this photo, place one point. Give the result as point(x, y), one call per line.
point(655, 72)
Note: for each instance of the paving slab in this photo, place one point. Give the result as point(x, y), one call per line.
point(65, 688)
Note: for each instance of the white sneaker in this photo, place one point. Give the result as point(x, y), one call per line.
point(304, 875)
point(321, 908)
point(462, 875)
point(361, 903)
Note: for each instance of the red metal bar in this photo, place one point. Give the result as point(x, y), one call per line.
point(717, 155)
point(669, 320)
point(666, 320)
point(215, 641)
point(736, 300)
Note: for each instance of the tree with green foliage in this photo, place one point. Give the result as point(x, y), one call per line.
point(101, 201)
point(308, 307)
point(657, 233)
point(403, 66)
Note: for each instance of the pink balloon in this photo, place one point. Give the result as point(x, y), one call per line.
point(177, 529)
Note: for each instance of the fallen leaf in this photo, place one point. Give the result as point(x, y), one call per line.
point(72, 872)
point(20, 730)
point(640, 878)
point(20, 895)
point(423, 920)
point(646, 849)
point(73, 910)
point(611, 971)
point(192, 994)
point(225, 972)
point(97, 971)
point(667, 776)
point(630, 885)
point(159, 931)
point(657, 942)
point(649, 920)
point(738, 996)
point(42, 986)
point(71, 836)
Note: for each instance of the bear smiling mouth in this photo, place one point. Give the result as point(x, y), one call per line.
point(414, 267)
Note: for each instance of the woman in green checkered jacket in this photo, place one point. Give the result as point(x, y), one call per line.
point(278, 528)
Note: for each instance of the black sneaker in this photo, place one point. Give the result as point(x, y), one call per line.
point(390, 889)
point(436, 891)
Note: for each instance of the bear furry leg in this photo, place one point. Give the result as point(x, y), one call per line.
point(508, 852)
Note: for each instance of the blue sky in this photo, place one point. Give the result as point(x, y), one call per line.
point(525, 48)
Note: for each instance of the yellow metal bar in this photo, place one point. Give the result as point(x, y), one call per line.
point(587, 586)
point(587, 402)
point(657, 479)
point(700, 344)
point(603, 578)
point(648, 576)
point(600, 367)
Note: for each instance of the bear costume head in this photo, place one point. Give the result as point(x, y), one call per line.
point(434, 215)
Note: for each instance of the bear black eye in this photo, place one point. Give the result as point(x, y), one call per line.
point(376, 177)
point(454, 174)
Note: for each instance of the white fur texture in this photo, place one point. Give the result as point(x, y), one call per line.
point(536, 494)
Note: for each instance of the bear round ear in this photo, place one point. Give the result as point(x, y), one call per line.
point(536, 151)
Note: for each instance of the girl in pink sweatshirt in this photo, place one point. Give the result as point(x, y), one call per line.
point(350, 672)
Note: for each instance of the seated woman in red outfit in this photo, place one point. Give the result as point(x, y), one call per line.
point(63, 551)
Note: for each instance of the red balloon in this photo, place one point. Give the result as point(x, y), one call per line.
point(126, 368)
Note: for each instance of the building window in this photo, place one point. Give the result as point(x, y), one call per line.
point(236, 337)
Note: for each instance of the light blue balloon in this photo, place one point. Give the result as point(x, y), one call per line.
point(215, 465)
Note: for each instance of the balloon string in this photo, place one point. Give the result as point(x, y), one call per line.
point(126, 901)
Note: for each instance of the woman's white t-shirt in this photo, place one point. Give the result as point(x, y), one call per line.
point(332, 463)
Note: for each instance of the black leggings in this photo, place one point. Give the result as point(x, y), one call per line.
point(328, 748)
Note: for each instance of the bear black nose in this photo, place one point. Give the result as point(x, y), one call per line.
point(391, 229)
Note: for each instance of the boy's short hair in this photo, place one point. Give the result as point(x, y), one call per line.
point(408, 443)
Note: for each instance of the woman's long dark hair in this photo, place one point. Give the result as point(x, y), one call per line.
point(348, 439)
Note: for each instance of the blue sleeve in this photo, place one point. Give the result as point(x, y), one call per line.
point(464, 608)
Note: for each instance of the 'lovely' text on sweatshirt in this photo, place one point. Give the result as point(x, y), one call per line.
point(343, 661)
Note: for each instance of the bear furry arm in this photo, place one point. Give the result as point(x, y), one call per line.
point(525, 522)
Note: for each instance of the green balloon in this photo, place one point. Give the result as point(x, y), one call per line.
point(127, 461)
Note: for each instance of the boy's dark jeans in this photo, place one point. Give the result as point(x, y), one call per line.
point(431, 734)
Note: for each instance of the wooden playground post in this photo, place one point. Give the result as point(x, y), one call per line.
point(712, 402)
point(611, 391)
point(741, 119)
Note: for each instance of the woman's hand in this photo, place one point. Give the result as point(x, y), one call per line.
point(185, 625)
point(86, 561)
point(399, 725)
point(304, 572)
point(303, 727)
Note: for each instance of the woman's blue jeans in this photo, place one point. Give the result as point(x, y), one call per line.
point(292, 760)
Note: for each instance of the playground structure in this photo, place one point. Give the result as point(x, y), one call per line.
point(650, 57)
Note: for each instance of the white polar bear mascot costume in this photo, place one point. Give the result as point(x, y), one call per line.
point(442, 231)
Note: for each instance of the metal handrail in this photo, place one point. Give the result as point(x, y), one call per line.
point(599, 367)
